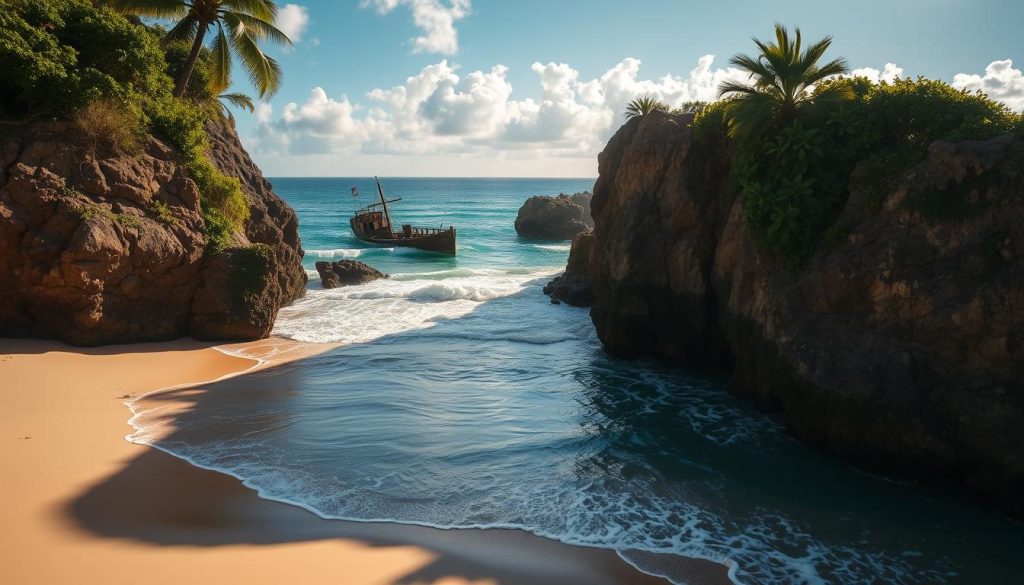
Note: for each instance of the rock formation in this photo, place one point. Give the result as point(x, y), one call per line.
point(554, 218)
point(102, 247)
point(347, 273)
point(574, 285)
point(900, 346)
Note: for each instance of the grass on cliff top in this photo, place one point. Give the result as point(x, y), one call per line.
point(71, 59)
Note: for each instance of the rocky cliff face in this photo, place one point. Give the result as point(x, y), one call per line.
point(104, 247)
point(901, 346)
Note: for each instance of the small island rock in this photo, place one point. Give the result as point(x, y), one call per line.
point(554, 218)
point(347, 273)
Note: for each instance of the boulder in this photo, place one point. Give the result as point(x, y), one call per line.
point(899, 346)
point(347, 273)
point(102, 247)
point(554, 218)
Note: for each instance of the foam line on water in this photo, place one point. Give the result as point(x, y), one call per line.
point(358, 314)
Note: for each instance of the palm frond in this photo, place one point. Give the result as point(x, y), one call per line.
point(262, 29)
point(220, 51)
point(264, 72)
point(781, 78)
point(184, 30)
point(641, 106)
point(168, 9)
point(239, 100)
point(265, 10)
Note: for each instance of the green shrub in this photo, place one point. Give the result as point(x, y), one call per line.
point(182, 125)
point(179, 124)
point(219, 231)
point(58, 55)
point(93, 211)
point(795, 181)
point(162, 212)
point(200, 88)
point(710, 120)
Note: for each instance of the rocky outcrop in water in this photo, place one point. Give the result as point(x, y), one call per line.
point(900, 346)
point(347, 273)
point(103, 247)
point(554, 218)
point(574, 285)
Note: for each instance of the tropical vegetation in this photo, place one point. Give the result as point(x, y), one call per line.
point(781, 80)
point(114, 77)
point(641, 106)
point(798, 128)
point(238, 26)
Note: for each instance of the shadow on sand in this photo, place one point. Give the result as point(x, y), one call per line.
point(161, 500)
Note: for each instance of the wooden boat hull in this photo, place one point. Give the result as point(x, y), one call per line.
point(442, 242)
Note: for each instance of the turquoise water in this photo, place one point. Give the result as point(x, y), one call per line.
point(463, 398)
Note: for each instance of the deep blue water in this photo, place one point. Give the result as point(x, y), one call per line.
point(462, 397)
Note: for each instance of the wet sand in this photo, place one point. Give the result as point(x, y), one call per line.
point(83, 505)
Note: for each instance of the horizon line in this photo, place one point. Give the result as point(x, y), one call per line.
point(422, 177)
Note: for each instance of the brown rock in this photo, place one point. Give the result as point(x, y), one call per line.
point(347, 273)
point(900, 348)
point(83, 261)
point(554, 218)
point(574, 286)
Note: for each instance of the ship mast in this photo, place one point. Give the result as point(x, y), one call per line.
point(384, 203)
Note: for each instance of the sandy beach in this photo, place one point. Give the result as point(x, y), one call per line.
point(82, 504)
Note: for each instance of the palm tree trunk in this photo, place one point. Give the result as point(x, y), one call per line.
point(186, 73)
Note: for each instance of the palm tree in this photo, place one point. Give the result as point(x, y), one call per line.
point(239, 100)
point(642, 106)
point(782, 83)
point(237, 24)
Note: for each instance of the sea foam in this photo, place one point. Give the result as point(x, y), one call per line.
point(358, 314)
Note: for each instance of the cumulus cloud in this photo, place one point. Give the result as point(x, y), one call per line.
point(439, 110)
point(443, 111)
point(1001, 82)
point(888, 73)
point(292, 20)
point(434, 18)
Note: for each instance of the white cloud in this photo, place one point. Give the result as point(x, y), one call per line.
point(263, 113)
point(888, 74)
point(435, 18)
point(440, 111)
point(1001, 82)
point(292, 20)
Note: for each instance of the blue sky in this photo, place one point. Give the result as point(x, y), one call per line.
point(535, 88)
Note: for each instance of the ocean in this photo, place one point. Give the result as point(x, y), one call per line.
point(461, 397)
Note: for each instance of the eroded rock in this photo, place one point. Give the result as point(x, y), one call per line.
point(85, 259)
point(574, 286)
point(554, 218)
point(900, 347)
point(347, 273)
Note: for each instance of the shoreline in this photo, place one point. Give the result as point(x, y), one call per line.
point(111, 509)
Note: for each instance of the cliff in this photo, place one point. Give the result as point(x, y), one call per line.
point(900, 345)
point(99, 246)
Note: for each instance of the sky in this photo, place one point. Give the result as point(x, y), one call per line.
point(535, 88)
